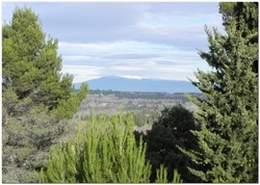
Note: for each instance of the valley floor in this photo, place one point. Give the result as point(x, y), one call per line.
point(145, 106)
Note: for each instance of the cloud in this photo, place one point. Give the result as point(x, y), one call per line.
point(126, 68)
point(148, 40)
point(172, 62)
point(93, 22)
point(117, 49)
point(82, 73)
point(75, 57)
point(131, 56)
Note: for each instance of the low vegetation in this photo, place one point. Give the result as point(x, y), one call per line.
point(104, 152)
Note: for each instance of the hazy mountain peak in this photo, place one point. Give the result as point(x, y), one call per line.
point(132, 77)
point(117, 83)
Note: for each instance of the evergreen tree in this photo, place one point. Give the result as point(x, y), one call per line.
point(246, 13)
point(171, 130)
point(228, 116)
point(103, 152)
point(31, 66)
point(35, 97)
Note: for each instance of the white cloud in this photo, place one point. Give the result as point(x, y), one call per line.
point(95, 22)
point(130, 58)
point(82, 73)
point(75, 57)
point(126, 68)
point(103, 49)
point(148, 40)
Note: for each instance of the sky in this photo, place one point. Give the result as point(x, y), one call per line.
point(158, 40)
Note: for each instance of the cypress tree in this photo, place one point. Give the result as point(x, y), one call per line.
point(229, 114)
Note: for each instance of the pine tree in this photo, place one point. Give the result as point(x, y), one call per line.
point(36, 97)
point(106, 152)
point(228, 116)
point(31, 65)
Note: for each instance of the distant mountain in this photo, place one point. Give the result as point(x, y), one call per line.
point(116, 83)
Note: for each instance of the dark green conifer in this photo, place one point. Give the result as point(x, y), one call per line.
point(171, 130)
point(228, 117)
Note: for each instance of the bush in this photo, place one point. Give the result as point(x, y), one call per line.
point(103, 152)
point(170, 131)
point(26, 140)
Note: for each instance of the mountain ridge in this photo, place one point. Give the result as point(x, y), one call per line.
point(117, 83)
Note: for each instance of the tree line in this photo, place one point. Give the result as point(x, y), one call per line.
point(144, 95)
point(219, 143)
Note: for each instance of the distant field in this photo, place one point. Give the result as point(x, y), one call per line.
point(146, 106)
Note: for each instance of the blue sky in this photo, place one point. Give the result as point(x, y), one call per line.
point(128, 39)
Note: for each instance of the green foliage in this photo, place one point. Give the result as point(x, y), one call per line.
point(35, 96)
point(25, 141)
point(102, 152)
point(246, 16)
point(31, 65)
point(161, 175)
point(145, 117)
point(171, 130)
point(69, 107)
point(143, 95)
point(229, 130)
